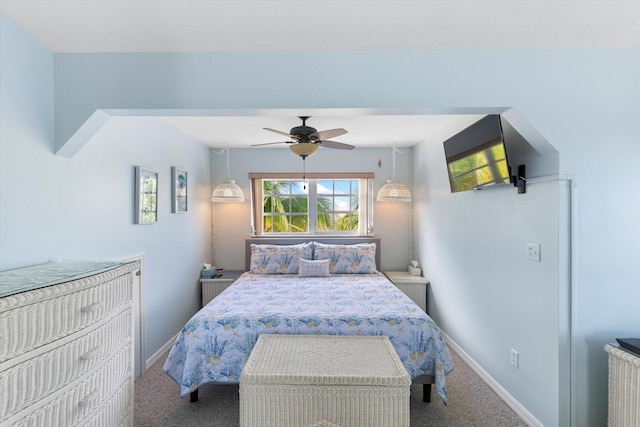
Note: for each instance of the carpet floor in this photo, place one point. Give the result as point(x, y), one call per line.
point(470, 403)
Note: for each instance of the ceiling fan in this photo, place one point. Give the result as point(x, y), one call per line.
point(306, 140)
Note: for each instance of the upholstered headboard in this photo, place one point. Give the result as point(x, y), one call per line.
point(296, 240)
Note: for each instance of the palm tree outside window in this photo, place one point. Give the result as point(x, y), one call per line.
point(321, 204)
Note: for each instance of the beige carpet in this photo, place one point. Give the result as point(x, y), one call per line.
point(470, 403)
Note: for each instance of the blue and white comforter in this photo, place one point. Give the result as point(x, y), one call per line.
point(214, 345)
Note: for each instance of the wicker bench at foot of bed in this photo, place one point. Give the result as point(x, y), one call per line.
point(296, 380)
point(424, 380)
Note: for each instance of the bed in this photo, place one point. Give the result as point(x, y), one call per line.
point(328, 287)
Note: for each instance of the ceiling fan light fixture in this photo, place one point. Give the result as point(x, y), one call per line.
point(305, 140)
point(304, 149)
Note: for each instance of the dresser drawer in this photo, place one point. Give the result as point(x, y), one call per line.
point(34, 379)
point(27, 325)
point(110, 413)
point(78, 404)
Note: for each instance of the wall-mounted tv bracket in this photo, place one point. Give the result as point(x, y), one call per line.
point(520, 180)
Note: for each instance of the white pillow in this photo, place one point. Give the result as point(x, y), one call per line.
point(313, 268)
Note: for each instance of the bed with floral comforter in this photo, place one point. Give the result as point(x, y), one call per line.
point(215, 343)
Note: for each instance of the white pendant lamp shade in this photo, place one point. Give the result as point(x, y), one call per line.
point(228, 191)
point(394, 190)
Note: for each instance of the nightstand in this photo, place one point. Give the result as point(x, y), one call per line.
point(211, 287)
point(415, 287)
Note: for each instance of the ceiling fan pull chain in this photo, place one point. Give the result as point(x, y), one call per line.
point(304, 174)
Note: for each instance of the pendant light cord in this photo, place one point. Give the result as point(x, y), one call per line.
point(394, 177)
point(213, 210)
point(393, 163)
point(225, 150)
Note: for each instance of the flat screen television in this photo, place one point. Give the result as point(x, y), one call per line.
point(477, 157)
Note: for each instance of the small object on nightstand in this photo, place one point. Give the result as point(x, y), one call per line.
point(414, 270)
point(415, 287)
point(208, 270)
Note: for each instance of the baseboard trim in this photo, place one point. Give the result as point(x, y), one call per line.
point(158, 354)
point(503, 394)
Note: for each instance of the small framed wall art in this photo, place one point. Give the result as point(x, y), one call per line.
point(146, 196)
point(179, 190)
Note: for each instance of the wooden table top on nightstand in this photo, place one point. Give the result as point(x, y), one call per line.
point(226, 275)
point(213, 286)
point(405, 277)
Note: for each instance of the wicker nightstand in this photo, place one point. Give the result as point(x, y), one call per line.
point(415, 287)
point(211, 287)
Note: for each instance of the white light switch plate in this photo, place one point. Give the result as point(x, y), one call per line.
point(533, 251)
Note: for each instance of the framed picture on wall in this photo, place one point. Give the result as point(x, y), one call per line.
point(146, 196)
point(179, 190)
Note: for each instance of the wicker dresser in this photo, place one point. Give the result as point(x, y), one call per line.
point(66, 345)
point(322, 380)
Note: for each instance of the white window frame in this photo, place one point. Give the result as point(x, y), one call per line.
point(365, 202)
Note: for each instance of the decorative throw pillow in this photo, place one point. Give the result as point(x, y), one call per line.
point(348, 259)
point(313, 268)
point(278, 259)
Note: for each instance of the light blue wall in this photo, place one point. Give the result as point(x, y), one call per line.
point(584, 102)
point(391, 220)
point(82, 208)
point(484, 293)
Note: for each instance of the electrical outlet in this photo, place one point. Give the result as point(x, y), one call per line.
point(533, 251)
point(515, 358)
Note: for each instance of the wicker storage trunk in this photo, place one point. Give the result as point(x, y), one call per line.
point(301, 380)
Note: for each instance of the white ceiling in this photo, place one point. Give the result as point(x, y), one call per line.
point(364, 130)
point(284, 25)
point(293, 25)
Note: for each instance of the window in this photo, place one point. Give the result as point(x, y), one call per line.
point(325, 203)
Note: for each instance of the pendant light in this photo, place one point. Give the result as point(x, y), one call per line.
point(228, 191)
point(394, 190)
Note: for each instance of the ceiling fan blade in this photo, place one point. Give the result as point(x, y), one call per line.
point(335, 144)
point(326, 134)
point(281, 133)
point(272, 143)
